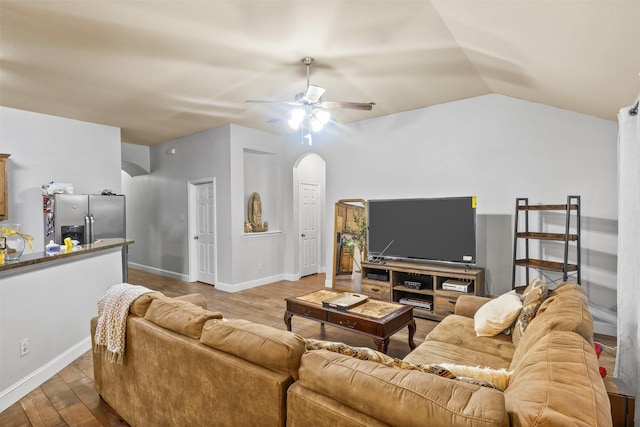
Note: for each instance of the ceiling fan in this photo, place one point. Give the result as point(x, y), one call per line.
point(309, 110)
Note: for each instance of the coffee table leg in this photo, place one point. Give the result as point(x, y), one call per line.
point(287, 320)
point(381, 344)
point(412, 332)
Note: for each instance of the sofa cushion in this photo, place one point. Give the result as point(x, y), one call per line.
point(411, 398)
point(532, 297)
point(497, 315)
point(272, 348)
point(558, 384)
point(141, 305)
point(179, 316)
point(565, 309)
point(454, 341)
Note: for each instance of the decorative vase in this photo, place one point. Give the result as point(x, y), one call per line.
point(14, 242)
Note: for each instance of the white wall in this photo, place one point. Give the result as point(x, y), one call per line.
point(46, 148)
point(259, 258)
point(51, 304)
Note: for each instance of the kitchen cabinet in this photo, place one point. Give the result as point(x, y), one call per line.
point(4, 195)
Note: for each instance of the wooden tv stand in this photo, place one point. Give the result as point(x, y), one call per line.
point(386, 281)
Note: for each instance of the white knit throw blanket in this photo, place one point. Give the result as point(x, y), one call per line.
point(113, 309)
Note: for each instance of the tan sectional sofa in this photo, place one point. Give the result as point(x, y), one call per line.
point(243, 374)
point(554, 378)
point(234, 373)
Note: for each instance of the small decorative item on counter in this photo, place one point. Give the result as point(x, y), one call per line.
point(14, 241)
point(52, 247)
point(247, 227)
point(68, 245)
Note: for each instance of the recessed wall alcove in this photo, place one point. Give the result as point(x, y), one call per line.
point(261, 175)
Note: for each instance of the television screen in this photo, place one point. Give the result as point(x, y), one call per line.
point(438, 229)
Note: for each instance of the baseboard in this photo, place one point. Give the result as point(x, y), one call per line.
point(160, 271)
point(604, 328)
point(292, 277)
point(250, 284)
point(26, 385)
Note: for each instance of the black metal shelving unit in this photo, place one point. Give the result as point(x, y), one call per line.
point(572, 214)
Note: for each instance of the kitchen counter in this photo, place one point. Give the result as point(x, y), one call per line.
point(33, 258)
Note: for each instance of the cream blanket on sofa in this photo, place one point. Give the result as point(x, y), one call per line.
point(113, 308)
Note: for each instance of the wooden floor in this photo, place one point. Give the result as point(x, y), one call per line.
point(69, 397)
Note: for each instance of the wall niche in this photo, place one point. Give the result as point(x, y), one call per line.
point(261, 192)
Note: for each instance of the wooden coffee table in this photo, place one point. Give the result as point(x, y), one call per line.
point(376, 319)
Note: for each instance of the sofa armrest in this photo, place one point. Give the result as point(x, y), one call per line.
point(467, 305)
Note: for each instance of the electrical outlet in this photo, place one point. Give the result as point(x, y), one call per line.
point(24, 347)
point(259, 266)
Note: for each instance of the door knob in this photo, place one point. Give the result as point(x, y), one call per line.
point(303, 235)
point(195, 237)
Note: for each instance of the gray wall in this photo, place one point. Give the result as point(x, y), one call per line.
point(497, 148)
point(157, 202)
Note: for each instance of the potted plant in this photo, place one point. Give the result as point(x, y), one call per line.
point(356, 244)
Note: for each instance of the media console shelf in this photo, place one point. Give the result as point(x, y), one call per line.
point(420, 284)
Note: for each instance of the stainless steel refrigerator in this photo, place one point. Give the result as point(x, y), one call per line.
point(83, 217)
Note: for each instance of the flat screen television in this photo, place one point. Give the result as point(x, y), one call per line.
point(436, 229)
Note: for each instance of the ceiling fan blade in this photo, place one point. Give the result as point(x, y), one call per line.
point(313, 94)
point(365, 106)
point(266, 101)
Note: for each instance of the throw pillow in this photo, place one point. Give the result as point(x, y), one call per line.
point(362, 353)
point(532, 297)
point(469, 374)
point(498, 377)
point(497, 315)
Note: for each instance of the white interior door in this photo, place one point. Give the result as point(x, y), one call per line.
point(309, 209)
point(205, 233)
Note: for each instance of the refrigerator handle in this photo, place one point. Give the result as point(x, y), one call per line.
point(91, 228)
point(87, 229)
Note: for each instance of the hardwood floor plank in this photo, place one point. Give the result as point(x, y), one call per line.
point(84, 388)
point(40, 411)
point(14, 416)
point(79, 415)
point(59, 393)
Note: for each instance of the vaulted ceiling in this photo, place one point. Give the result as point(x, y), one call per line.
point(164, 69)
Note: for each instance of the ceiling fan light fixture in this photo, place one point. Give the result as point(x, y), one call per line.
point(323, 116)
point(297, 116)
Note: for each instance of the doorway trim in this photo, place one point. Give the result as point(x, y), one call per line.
point(319, 229)
point(300, 174)
point(191, 227)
